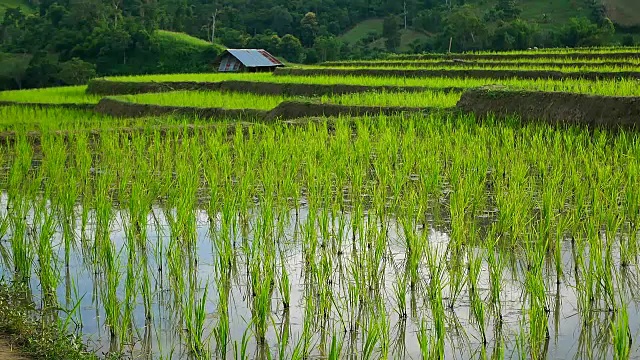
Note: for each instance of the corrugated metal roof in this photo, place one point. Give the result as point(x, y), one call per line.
point(254, 57)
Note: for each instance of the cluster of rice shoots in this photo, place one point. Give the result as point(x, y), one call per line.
point(416, 236)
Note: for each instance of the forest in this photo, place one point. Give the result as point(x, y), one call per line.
point(66, 42)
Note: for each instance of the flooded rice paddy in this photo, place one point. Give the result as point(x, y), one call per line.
point(363, 239)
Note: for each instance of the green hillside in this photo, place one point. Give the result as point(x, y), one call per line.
point(545, 14)
point(371, 30)
point(171, 52)
point(553, 13)
point(6, 4)
point(623, 12)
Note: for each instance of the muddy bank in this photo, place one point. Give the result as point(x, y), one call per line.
point(553, 107)
point(312, 90)
point(539, 55)
point(108, 88)
point(473, 63)
point(287, 110)
point(35, 137)
point(122, 109)
point(49, 106)
point(462, 73)
point(9, 351)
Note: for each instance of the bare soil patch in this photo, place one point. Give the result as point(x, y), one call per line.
point(553, 107)
point(460, 63)
point(460, 73)
point(117, 108)
point(8, 351)
point(107, 87)
point(623, 12)
point(287, 110)
point(48, 106)
point(540, 55)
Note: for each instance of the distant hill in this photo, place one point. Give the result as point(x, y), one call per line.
point(546, 14)
point(623, 12)
point(370, 31)
point(172, 52)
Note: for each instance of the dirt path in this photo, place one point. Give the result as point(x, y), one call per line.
point(8, 352)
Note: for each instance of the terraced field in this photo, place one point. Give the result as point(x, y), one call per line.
point(417, 208)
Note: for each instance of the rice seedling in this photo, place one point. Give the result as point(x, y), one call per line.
point(398, 99)
point(57, 95)
point(207, 99)
point(619, 87)
point(329, 238)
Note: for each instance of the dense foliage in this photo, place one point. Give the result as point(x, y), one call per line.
point(67, 41)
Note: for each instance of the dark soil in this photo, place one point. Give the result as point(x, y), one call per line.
point(473, 63)
point(540, 55)
point(118, 108)
point(460, 73)
point(107, 87)
point(287, 110)
point(553, 107)
point(48, 106)
point(8, 351)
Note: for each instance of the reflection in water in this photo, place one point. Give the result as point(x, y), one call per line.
point(174, 294)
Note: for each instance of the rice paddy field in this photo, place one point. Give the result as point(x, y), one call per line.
point(408, 236)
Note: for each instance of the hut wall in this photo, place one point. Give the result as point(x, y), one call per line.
point(230, 64)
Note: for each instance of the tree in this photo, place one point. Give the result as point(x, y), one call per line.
point(309, 29)
point(515, 35)
point(233, 38)
point(281, 20)
point(14, 67)
point(269, 42)
point(291, 48)
point(628, 40)
point(327, 48)
point(582, 32)
point(507, 10)
point(429, 20)
point(42, 70)
point(76, 72)
point(391, 33)
point(465, 28)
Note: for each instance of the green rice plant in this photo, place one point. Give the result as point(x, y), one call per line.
point(371, 339)
point(56, 95)
point(498, 352)
point(436, 264)
point(21, 248)
point(285, 286)
point(49, 275)
point(240, 349)
point(621, 334)
point(477, 304)
point(221, 333)
point(430, 99)
point(620, 87)
point(335, 350)
point(424, 341)
point(400, 292)
point(360, 210)
point(496, 269)
point(207, 99)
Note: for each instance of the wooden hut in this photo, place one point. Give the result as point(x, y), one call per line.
point(249, 60)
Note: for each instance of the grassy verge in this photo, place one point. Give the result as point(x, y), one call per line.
point(38, 336)
point(55, 95)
